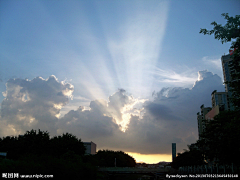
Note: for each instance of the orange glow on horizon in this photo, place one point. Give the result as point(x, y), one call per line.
point(150, 158)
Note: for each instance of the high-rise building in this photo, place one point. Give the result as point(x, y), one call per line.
point(201, 119)
point(228, 70)
point(219, 103)
point(227, 65)
point(174, 151)
point(220, 99)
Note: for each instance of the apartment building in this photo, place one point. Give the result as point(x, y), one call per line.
point(201, 119)
point(228, 70)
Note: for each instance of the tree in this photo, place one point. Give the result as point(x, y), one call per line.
point(191, 157)
point(220, 140)
point(66, 142)
point(37, 153)
point(230, 32)
point(106, 158)
point(31, 142)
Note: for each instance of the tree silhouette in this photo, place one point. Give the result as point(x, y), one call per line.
point(189, 157)
point(36, 152)
point(219, 141)
point(106, 158)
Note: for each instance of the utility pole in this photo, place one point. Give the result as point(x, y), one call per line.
point(115, 162)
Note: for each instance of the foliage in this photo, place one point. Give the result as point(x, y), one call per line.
point(67, 142)
point(39, 143)
point(228, 32)
point(188, 158)
point(106, 158)
point(63, 156)
point(220, 141)
point(36, 152)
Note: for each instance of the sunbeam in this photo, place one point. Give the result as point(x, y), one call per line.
point(138, 45)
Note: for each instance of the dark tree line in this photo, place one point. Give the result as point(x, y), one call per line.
point(220, 141)
point(63, 156)
point(107, 158)
point(190, 157)
point(36, 152)
point(39, 143)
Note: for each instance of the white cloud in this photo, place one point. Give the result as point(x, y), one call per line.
point(171, 76)
point(34, 103)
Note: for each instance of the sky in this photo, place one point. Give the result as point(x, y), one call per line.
point(127, 75)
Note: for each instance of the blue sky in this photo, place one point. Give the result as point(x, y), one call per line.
point(103, 49)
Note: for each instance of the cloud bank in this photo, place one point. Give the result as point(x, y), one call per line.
point(120, 123)
point(33, 104)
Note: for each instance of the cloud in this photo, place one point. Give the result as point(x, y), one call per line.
point(171, 76)
point(120, 123)
point(171, 117)
point(89, 124)
point(158, 110)
point(117, 102)
point(33, 103)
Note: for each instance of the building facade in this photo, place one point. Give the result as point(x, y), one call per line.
point(211, 114)
point(201, 119)
point(220, 99)
point(227, 65)
point(228, 70)
point(90, 148)
point(219, 103)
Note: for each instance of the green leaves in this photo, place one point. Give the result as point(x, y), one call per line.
point(226, 33)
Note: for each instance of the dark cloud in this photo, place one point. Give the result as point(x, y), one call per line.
point(159, 111)
point(121, 90)
point(88, 124)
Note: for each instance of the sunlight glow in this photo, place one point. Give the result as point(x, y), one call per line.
point(125, 121)
point(57, 106)
point(151, 158)
point(134, 108)
point(25, 97)
point(123, 61)
point(12, 129)
point(138, 46)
